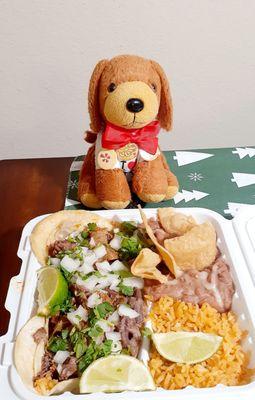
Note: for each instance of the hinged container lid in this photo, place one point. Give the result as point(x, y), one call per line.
point(244, 226)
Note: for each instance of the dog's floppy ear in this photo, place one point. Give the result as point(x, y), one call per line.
point(93, 97)
point(165, 113)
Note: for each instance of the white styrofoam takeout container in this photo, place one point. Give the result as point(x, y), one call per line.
point(236, 240)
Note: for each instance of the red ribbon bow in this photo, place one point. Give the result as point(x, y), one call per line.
point(146, 138)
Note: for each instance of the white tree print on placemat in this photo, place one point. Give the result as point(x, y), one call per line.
point(243, 152)
point(188, 196)
point(189, 157)
point(242, 179)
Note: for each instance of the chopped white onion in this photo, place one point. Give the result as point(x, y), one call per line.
point(114, 336)
point(116, 347)
point(61, 356)
point(85, 251)
point(86, 268)
point(100, 251)
point(115, 243)
point(102, 283)
point(54, 261)
point(90, 257)
point(133, 282)
point(70, 264)
point(114, 318)
point(105, 325)
point(59, 368)
point(103, 266)
point(92, 242)
point(118, 266)
point(89, 283)
point(93, 300)
point(99, 339)
point(115, 288)
point(77, 315)
point(126, 311)
point(113, 280)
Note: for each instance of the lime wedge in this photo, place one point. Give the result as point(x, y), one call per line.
point(52, 289)
point(115, 374)
point(186, 347)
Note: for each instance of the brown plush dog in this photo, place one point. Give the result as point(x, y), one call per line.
point(129, 99)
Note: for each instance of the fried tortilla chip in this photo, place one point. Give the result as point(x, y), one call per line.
point(145, 265)
point(58, 226)
point(175, 223)
point(195, 249)
point(166, 256)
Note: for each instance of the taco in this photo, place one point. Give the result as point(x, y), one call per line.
point(57, 226)
point(30, 360)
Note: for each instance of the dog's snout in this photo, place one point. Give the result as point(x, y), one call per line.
point(134, 105)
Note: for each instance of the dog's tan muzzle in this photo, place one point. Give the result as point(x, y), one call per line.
point(131, 105)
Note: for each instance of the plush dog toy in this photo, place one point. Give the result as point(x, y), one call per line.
point(129, 100)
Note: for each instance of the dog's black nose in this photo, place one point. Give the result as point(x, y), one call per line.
point(134, 105)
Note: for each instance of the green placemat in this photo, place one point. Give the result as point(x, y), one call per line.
point(222, 180)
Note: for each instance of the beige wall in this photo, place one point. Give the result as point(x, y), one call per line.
point(49, 47)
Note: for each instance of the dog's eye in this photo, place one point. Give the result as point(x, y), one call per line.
point(154, 87)
point(111, 87)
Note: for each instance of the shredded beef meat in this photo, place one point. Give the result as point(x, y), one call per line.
point(114, 298)
point(58, 323)
point(101, 236)
point(158, 231)
point(69, 368)
point(39, 335)
point(80, 294)
point(213, 285)
point(111, 254)
point(48, 366)
point(136, 302)
point(130, 328)
point(130, 335)
point(60, 245)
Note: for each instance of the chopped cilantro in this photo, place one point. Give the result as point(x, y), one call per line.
point(92, 226)
point(126, 290)
point(84, 243)
point(65, 307)
point(95, 331)
point(94, 351)
point(99, 312)
point(67, 275)
point(124, 274)
point(89, 356)
point(80, 348)
point(64, 333)
point(98, 274)
point(103, 309)
point(84, 234)
point(71, 239)
point(57, 343)
point(130, 248)
point(128, 228)
point(79, 342)
point(92, 319)
point(105, 348)
point(146, 332)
